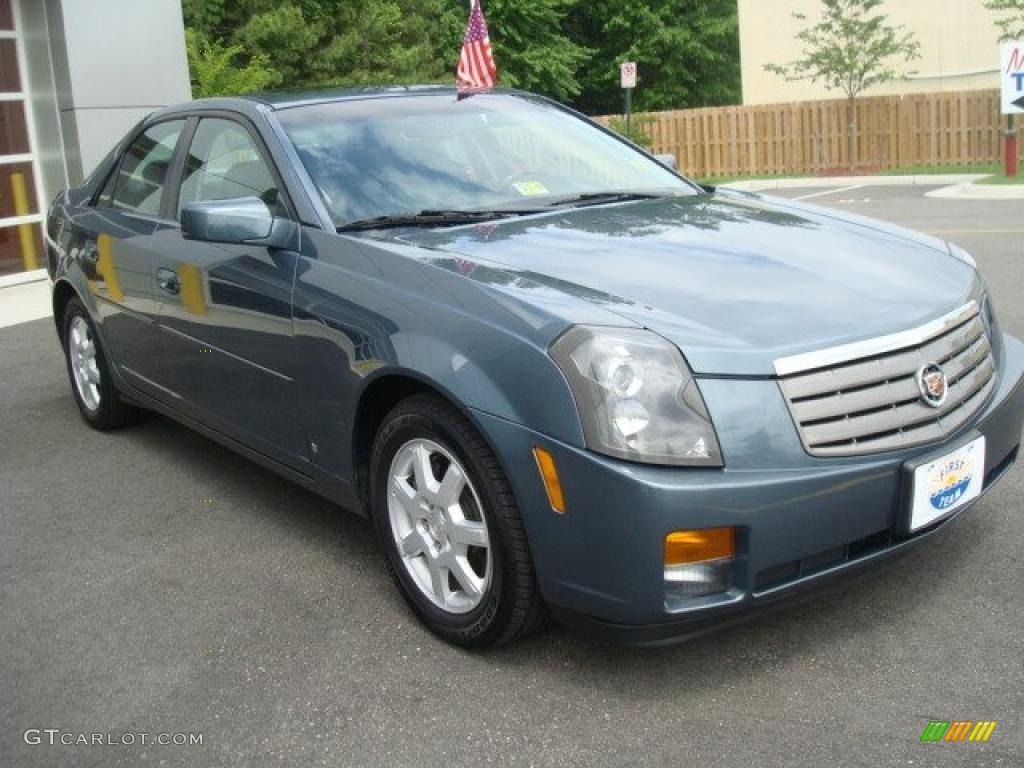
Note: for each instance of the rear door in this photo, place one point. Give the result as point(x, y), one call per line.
point(116, 239)
point(225, 310)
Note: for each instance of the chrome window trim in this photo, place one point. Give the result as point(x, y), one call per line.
point(858, 350)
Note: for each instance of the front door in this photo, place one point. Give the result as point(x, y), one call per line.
point(225, 310)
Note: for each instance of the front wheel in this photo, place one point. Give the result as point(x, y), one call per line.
point(450, 528)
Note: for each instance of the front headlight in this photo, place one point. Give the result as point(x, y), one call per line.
point(637, 398)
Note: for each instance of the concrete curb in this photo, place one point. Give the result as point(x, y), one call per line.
point(979, 192)
point(761, 185)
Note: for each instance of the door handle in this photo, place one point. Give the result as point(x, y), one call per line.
point(89, 252)
point(168, 280)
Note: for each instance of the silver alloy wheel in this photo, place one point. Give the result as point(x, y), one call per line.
point(84, 368)
point(438, 525)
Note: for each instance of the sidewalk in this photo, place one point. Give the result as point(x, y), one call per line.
point(24, 302)
point(980, 192)
point(960, 186)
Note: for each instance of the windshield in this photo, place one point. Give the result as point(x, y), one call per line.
point(400, 156)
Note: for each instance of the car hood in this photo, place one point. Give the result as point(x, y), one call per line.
point(735, 280)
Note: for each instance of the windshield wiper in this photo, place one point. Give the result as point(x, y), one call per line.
point(430, 218)
point(598, 198)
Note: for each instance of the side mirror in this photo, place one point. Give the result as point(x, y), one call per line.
point(242, 221)
point(669, 161)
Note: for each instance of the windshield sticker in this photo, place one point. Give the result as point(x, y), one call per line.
point(528, 188)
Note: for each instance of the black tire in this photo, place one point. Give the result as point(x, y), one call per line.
point(111, 411)
point(511, 606)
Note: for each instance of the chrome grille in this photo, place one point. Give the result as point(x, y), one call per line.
point(871, 403)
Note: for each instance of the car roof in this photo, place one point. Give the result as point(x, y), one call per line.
point(286, 99)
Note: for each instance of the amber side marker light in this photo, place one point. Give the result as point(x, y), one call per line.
point(699, 562)
point(684, 547)
point(552, 484)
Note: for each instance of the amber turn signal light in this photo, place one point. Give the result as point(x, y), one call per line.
point(682, 547)
point(552, 484)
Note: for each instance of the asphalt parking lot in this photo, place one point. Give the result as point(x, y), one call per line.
point(152, 581)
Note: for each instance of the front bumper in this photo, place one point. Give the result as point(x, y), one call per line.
point(803, 522)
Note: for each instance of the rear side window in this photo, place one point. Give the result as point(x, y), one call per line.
point(224, 163)
point(142, 174)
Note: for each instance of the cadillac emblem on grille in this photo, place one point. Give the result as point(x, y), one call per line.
point(911, 388)
point(931, 380)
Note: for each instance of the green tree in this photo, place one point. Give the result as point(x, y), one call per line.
point(215, 69)
point(285, 36)
point(850, 49)
point(373, 42)
point(531, 49)
point(1012, 24)
point(203, 16)
point(323, 43)
point(317, 43)
point(568, 49)
point(687, 52)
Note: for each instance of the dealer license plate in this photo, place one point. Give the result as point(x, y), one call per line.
point(947, 483)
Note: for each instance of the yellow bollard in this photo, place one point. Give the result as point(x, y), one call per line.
point(19, 191)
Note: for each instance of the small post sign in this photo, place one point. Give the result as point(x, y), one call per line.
point(628, 73)
point(1012, 76)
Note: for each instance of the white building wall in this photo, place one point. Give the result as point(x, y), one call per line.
point(115, 61)
point(959, 48)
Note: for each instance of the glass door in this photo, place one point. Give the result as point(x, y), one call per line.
point(21, 244)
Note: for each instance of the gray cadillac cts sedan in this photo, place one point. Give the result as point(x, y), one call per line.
point(556, 375)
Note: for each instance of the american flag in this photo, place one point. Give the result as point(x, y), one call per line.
point(476, 65)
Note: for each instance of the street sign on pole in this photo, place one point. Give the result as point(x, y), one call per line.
point(628, 71)
point(1012, 75)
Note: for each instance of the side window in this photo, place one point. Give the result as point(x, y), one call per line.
point(140, 179)
point(224, 163)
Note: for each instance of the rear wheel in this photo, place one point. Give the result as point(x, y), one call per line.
point(450, 528)
point(89, 371)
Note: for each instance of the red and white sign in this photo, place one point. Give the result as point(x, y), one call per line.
point(1012, 76)
point(628, 71)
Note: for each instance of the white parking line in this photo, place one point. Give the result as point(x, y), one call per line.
point(830, 192)
point(975, 231)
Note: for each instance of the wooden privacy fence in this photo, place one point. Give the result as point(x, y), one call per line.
point(811, 137)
